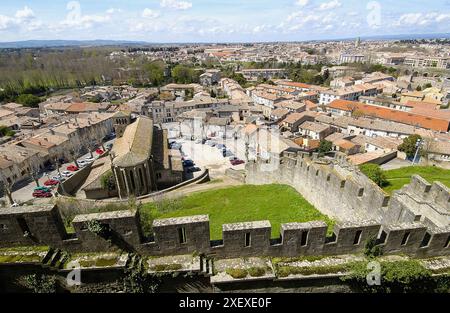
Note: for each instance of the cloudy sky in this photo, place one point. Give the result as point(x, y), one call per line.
point(219, 20)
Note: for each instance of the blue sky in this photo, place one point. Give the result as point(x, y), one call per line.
point(219, 20)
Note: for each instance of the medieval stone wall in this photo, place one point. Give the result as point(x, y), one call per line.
point(414, 222)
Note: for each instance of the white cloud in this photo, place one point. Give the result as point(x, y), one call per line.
point(176, 4)
point(333, 4)
point(25, 14)
point(148, 13)
point(302, 3)
point(113, 11)
point(6, 22)
point(422, 19)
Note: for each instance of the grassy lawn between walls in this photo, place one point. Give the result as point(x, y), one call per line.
point(399, 177)
point(277, 203)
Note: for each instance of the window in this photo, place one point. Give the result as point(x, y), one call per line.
point(426, 240)
point(304, 239)
point(405, 238)
point(357, 237)
point(447, 244)
point(247, 240)
point(383, 237)
point(182, 235)
point(361, 192)
point(3, 227)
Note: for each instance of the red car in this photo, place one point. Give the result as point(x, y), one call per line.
point(38, 194)
point(72, 168)
point(236, 162)
point(51, 182)
point(99, 151)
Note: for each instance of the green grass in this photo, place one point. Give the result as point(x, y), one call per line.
point(399, 177)
point(276, 203)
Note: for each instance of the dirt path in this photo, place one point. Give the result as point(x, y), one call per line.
point(216, 183)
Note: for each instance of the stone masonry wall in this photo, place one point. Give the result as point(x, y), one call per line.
point(414, 221)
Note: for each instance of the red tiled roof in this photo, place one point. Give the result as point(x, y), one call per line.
point(420, 120)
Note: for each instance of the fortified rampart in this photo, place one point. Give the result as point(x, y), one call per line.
point(415, 221)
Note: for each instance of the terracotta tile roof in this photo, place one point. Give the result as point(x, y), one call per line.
point(420, 120)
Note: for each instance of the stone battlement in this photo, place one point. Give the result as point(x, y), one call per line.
point(414, 221)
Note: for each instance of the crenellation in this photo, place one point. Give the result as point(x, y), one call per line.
point(412, 221)
point(441, 195)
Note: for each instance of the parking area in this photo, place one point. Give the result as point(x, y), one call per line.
point(210, 154)
point(24, 191)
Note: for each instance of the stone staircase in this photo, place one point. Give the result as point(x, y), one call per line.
point(55, 259)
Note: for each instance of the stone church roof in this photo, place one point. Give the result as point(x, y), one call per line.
point(135, 146)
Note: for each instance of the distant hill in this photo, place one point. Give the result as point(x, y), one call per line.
point(68, 43)
point(99, 42)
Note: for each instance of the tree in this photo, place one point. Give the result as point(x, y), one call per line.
point(155, 73)
point(34, 170)
point(375, 173)
point(419, 88)
point(183, 74)
point(6, 186)
point(324, 147)
point(28, 100)
point(6, 131)
point(409, 145)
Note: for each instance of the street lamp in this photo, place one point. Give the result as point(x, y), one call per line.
point(419, 144)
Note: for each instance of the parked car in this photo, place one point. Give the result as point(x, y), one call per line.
point(58, 177)
point(82, 163)
point(37, 194)
point(99, 151)
point(88, 160)
point(109, 146)
point(193, 169)
point(67, 174)
point(15, 205)
point(42, 189)
point(221, 146)
point(51, 182)
point(72, 168)
point(237, 162)
point(188, 163)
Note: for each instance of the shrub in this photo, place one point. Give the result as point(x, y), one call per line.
point(257, 271)
point(399, 276)
point(372, 249)
point(375, 173)
point(166, 267)
point(237, 273)
point(40, 283)
point(107, 181)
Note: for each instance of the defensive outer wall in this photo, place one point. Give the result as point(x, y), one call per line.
point(414, 221)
